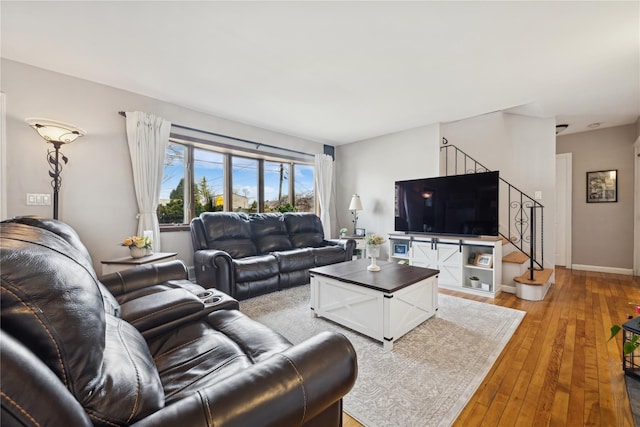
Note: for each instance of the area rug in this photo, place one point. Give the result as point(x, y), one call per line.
point(432, 371)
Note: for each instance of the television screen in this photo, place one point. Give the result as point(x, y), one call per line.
point(461, 205)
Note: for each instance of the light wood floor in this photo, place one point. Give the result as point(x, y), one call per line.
point(558, 369)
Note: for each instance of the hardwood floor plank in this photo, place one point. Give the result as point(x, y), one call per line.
point(558, 369)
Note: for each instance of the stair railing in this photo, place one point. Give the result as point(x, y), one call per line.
point(524, 226)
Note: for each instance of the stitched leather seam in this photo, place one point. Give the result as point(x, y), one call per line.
point(207, 406)
point(19, 408)
point(49, 334)
point(135, 367)
point(102, 420)
point(173, 350)
point(301, 380)
point(215, 368)
point(155, 313)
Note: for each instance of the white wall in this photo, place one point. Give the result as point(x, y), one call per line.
point(97, 197)
point(371, 167)
point(523, 150)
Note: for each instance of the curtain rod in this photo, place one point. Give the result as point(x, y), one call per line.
point(258, 144)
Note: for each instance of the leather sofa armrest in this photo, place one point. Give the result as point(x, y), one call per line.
point(160, 308)
point(349, 245)
point(290, 388)
point(214, 269)
point(143, 276)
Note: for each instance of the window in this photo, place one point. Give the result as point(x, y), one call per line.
point(208, 181)
point(244, 184)
point(276, 185)
point(171, 202)
point(304, 188)
point(211, 178)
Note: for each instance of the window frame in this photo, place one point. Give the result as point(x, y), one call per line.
point(229, 152)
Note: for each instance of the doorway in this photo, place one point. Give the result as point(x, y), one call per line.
point(564, 195)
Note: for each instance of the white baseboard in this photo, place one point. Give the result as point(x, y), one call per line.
point(510, 289)
point(601, 269)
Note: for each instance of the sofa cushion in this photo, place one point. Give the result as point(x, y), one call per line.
point(296, 259)
point(305, 230)
point(51, 300)
point(328, 255)
point(255, 268)
point(229, 232)
point(270, 233)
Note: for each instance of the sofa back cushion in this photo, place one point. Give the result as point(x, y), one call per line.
point(270, 233)
point(229, 232)
point(51, 302)
point(305, 229)
point(70, 235)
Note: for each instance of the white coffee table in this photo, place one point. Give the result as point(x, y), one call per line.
point(383, 305)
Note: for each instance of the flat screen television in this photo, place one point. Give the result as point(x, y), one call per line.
point(461, 205)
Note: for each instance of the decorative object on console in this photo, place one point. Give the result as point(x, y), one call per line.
point(602, 186)
point(359, 232)
point(343, 232)
point(56, 133)
point(400, 249)
point(354, 207)
point(475, 281)
point(373, 242)
point(483, 260)
point(138, 245)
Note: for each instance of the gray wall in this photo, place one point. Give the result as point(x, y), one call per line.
point(371, 167)
point(602, 232)
point(97, 196)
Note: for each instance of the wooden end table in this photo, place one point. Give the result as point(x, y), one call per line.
point(119, 264)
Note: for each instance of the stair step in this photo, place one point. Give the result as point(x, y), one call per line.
point(515, 257)
point(506, 241)
point(539, 277)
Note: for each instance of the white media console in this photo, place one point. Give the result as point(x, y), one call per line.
point(457, 258)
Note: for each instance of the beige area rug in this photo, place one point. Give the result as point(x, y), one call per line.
point(432, 371)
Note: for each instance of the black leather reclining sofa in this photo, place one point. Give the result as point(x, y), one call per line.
point(146, 347)
point(249, 255)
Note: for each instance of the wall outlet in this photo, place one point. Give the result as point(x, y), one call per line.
point(537, 195)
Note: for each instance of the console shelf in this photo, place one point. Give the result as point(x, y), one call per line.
point(457, 258)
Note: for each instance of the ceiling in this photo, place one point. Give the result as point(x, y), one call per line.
point(337, 72)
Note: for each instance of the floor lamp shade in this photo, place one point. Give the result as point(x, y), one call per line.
point(58, 134)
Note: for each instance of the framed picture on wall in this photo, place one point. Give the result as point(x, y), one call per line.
point(602, 186)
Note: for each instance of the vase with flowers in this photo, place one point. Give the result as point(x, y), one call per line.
point(138, 245)
point(373, 242)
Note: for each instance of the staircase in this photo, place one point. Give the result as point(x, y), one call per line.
point(521, 229)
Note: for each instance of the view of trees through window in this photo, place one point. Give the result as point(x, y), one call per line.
point(206, 184)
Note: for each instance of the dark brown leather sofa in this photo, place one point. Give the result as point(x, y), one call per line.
point(249, 255)
point(146, 347)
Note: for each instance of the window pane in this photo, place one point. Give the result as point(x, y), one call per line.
point(244, 179)
point(304, 188)
point(171, 202)
point(276, 185)
point(208, 181)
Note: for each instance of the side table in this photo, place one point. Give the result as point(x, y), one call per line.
point(119, 264)
point(360, 245)
point(631, 362)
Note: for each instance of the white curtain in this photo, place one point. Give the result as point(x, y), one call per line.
point(148, 136)
point(324, 183)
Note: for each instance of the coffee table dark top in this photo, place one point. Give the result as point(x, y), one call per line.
point(391, 277)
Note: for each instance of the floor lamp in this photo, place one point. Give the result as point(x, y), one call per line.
point(58, 134)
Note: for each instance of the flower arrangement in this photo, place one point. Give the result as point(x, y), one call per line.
point(137, 242)
point(343, 231)
point(374, 239)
